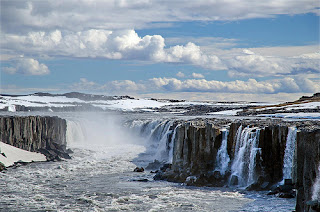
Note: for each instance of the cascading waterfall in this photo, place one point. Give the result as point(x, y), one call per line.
point(316, 187)
point(156, 134)
point(171, 144)
point(246, 150)
point(289, 152)
point(223, 159)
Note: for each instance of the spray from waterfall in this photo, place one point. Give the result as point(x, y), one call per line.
point(223, 159)
point(289, 152)
point(246, 149)
point(316, 187)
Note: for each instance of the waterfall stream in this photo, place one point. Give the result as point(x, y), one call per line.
point(246, 149)
point(289, 152)
point(223, 159)
point(316, 187)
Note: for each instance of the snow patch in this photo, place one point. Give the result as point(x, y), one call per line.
point(10, 154)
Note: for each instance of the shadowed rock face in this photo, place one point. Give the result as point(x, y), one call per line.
point(307, 160)
point(36, 134)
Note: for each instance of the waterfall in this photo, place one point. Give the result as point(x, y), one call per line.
point(316, 187)
point(156, 134)
point(246, 149)
point(289, 152)
point(222, 159)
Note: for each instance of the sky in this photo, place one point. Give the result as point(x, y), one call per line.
point(219, 50)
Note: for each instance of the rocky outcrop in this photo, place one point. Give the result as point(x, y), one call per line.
point(197, 142)
point(42, 134)
point(307, 161)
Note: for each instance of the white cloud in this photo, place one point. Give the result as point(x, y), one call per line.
point(123, 44)
point(27, 66)
point(197, 75)
point(127, 44)
point(289, 85)
point(180, 74)
point(124, 86)
point(85, 84)
point(117, 87)
point(75, 15)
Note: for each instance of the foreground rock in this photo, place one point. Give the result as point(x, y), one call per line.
point(43, 134)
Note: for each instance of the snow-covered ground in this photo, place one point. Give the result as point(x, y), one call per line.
point(293, 115)
point(10, 154)
point(126, 104)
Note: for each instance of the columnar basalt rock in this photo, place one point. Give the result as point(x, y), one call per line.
point(36, 134)
point(197, 142)
point(307, 160)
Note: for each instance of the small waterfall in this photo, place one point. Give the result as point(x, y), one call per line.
point(316, 187)
point(246, 150)
point(289, 152)
point(171, 144)
point(76, 133)
point(156, 134)
point(223, 159)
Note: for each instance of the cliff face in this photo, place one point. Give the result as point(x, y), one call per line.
point(307, 160)
point(197, 143)
point(196, 148)
point(46, 135)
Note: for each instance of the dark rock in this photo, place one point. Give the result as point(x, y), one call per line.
point(191, 180)
point(139, 169)
point(286, 188)
point(141, 180)
point(2, 167)
point(285, 195)
point(154, 165)
point(158, 176)
point(165, 167)
point(314, 205)
point(288, 182)
point(234, 180)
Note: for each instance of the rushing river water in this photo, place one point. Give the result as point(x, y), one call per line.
point(100, 177)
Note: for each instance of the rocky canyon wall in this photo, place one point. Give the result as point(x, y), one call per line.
point(255, 155)
point(42, 134)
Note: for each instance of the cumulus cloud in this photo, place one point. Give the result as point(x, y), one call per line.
point(75, 15)
point(122, 44)
point(180, 74)
point(288, 85)
point(197, 75)
point(251, 64)
point(123, 86)
point(117, 87)
point(128, 45)
point(85, 84)
point(27, 66)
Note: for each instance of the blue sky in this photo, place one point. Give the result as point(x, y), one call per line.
point(206, 50)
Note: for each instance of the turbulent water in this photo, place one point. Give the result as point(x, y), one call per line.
point(100, 176)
